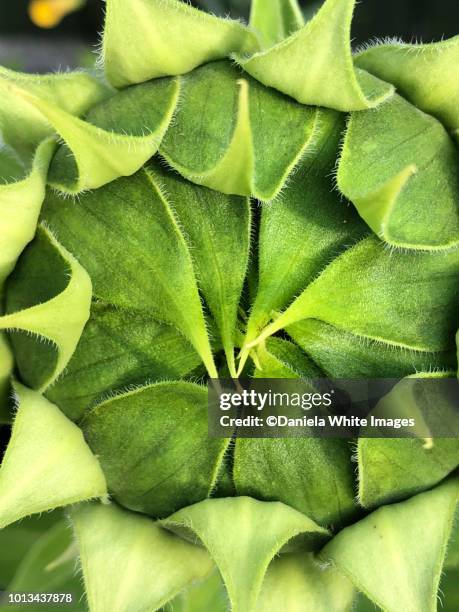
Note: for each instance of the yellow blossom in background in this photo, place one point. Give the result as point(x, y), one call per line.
point(49, 13)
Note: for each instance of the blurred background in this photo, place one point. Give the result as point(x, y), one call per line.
point(41, 35)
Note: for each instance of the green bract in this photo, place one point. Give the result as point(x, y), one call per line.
point(238, 200)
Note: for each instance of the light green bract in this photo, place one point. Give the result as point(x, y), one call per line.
point(314, 65)
point(48, 463)
point(238, 200)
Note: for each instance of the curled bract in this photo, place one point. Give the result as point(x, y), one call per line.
point(230, 530)
point(61, 317)
point(48, 464)
point(231, 148)
point(425, 74)
point(146, 565)
point(314, 65)
point(149, 39)
point(400, 168)
point(20, 203)
point(115, 139)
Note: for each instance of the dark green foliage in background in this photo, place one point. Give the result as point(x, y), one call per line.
point(409, 19)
